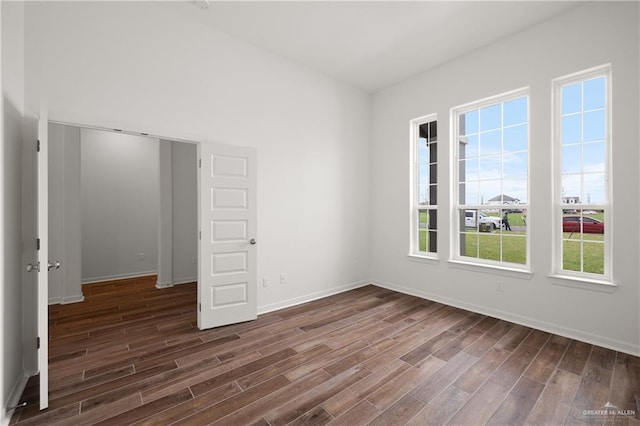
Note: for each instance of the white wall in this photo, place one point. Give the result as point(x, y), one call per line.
point(65, 284)
point(119, 205)
point(184, 212)
point(587, 36)
point(178, 214)
point(12, 48)
point(193, 83)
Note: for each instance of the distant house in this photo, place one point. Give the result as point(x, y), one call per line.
point(570, 200)
point(503, 199)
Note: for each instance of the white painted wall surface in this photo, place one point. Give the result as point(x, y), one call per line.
point(12, 373)
point(312, 133)
point(65, 284)
point(119, 205)
point(165, 215)
point(587, 36)
point(184, 212)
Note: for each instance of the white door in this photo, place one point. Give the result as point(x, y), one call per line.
point(227, 287)
point(42, 289)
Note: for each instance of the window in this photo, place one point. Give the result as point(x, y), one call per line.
point(581, 139)
point(424, 211)
point(491, 178)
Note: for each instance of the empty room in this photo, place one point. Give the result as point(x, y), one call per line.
point(334, 212)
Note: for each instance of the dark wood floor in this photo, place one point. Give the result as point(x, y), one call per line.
point(132, 354)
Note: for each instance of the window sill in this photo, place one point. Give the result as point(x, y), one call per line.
point(492, 269)
point(423, 258)
point(583, 283)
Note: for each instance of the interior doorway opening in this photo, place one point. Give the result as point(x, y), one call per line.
point(121, 205)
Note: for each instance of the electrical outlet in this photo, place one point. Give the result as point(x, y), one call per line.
point(265, 282)
point(500, 287)
point(141, 256)
point(283, 278)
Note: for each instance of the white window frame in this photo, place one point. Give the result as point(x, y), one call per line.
point(414, 247)
point(558, 272)
point(455, 255)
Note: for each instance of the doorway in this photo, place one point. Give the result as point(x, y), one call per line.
point(121, 206)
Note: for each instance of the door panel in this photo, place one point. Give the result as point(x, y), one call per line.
point(227, 273)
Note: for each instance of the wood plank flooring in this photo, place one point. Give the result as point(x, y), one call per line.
point(132, 354)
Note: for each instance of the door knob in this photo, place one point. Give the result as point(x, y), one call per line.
point(252, 241)
point(55, 264)
point(33, 267)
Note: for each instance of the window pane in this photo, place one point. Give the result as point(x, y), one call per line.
point(433, 152)
point(515, 112)
point(571, 129)
point(423, 170)
point(594, 188)
point(572, 159)
point(594, 93)
point(593, 257)
point(469, 123)
point(489, 189)
point(469, 244)
point(433, 194)
point(433, 242)
point(490, 117)
point(423, 194)
point(514, 249)
point(594, 157)
point(516, 188)
point(572, 98)
point(571, 189)
point(515, 138)
point(468, 193)
point(515, 165)
point(571, 255)
point(490, 167)
point(422, 230)
point(594, 124)
point(468, 170)
point(491, 142)
point(469, 148)
point(433, 173)
point(423, 151)
point(433, 219)
point(489, 246)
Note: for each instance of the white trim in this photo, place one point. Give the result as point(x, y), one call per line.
point(14, 399)
point(454, 174)
point(310, 297)
point(167, 284)
point(414, 184)
point(566, 277)
point(585, 283)
point(93, 280)
point(571, 333)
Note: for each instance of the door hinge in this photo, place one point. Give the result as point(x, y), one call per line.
point(200, 307)
point(37, 343)
point(199, 235)
point(200, 162)
point(37, 243)
point(38, 145)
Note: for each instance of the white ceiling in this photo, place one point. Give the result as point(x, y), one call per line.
point(370, 44)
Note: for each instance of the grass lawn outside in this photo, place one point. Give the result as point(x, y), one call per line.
point(511, 246)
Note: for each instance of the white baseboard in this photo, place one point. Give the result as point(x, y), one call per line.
point(571, 333)
point(14, 399)
point(92, 280)
point(310, 297)
point(179, 281)
point(66, 300)
point(72, 299)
